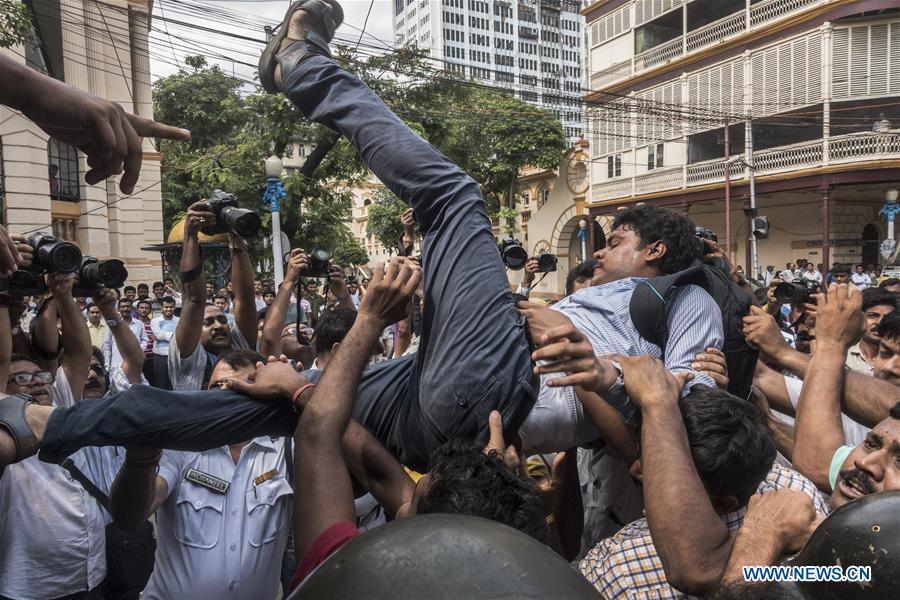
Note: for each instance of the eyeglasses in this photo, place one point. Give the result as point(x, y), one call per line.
point(210, 320)
point(99, 370)
point(21, 379)
point(289, 331)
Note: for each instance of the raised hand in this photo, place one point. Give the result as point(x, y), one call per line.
point(712, 362)
point(297, 263)
point(106, 302)
point(390, 291)
point(839, 317)
point(10, 255)
point(787, 515)
point(566, 350)
point(761, 331)
point(648, 380)
point(496, 445)
point(276, 380)
point(199, 215)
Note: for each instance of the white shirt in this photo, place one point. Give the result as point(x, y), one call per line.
point(111, 355)
point(812, 276)
point(187, 374)
point(52, 532)
point(861, 280)
point(768, 276)
point(854, 433)
point(214, 545)
point(786, 276)
point(163, 331)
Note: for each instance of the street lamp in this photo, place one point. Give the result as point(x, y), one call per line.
point(272, 197)
point(582, 233)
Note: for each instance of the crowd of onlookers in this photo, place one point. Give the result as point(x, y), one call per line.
point(665, 428)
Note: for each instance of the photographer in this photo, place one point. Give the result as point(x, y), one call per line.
point(270, 340)
point(203, 330)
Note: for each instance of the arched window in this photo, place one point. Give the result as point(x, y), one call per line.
point(62, 164)
point(544, 195)
point(526, 198)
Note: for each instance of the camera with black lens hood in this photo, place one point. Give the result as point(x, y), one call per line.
point(513, 254)
point(547, 263)
point(50, 255)
point(231, 217)
point(319, 262)
point(795, 292)
point(95, 275)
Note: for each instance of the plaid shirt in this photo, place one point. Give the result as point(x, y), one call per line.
point(626, 565)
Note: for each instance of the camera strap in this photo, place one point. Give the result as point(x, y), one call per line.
point(191, 275)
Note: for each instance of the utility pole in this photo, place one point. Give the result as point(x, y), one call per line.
point(727, 194)
point(752, 167)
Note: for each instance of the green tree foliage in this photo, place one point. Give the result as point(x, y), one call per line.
point(15, 23)
point(488, 132)
point(384, 218)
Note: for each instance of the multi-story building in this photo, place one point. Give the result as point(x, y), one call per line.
point(534, 47)
point(811, 86)
point(100, 48)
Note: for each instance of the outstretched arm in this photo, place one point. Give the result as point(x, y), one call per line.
point(245, 318)
point(819, 430)
point(270, 342)
point(129, 347)
point(326, 495)
point(75, 337)
point(189, 328)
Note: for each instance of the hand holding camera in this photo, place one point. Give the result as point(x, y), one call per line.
point(297, 263)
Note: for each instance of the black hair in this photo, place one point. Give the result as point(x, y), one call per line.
point(466, 481)
point(841, 268)
point(895, 411)
point(147, 302)
point(158, 284)
point(876, 296)
point(889, 327)
point(732, 448)
point(122, 299)
point(167, 300)
point(761, 296)
point(268, 291)
point(15, 357)
point(217, 296)
point(888, 282)
point(332, 328)
point(584, 270)
point(241, 359)
point(98, 354)
point(676, 231)
point(143, 285)
point(129, 287)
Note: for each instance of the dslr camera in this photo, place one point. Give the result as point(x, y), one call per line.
point(230, 217)
point(319, 263)
point(513, 254)
point(795, 292)
point(50, 256)
point(95, 275)
point(547, 263)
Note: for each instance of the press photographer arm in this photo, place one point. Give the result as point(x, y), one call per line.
point(193, 280)
point(74, 337)
point(245, 318)
point(270, 342)
point(129, 347)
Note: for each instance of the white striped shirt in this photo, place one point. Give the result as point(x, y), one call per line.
point(600, 312)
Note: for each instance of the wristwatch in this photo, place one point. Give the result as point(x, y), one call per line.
point(113, 322)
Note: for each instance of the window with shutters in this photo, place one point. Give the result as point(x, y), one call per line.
point(614, 166)
point(610, 26)
point(713, 91)
point(866, 61)
point(655, 158)
point(658, 113)
point(62, 164)
point(787, 75)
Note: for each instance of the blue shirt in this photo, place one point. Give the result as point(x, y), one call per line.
point(600, 312)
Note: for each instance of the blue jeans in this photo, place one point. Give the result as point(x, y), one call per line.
point(473, 355)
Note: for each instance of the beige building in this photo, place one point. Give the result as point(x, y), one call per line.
point(818, 81)
point(552, 210)
point(100, 48)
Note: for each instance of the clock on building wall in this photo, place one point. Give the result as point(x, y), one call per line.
point(577, 176)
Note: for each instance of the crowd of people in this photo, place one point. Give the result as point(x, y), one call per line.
point(175, 440)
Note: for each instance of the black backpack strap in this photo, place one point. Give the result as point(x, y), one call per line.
point(649, 304)
point(86, 483)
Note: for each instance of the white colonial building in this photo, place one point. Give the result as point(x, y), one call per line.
point(817, 82)
point(101, 48)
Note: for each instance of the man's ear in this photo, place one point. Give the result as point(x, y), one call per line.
point(334, 347)
point(654, 251)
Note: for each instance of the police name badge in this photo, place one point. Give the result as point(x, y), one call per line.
point(219, 486)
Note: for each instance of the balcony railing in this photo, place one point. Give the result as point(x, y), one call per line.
point(714, 33)
point(854, 147)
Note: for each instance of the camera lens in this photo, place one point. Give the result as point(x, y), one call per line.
point(513, 254)
point(791, 293)
point(112, 273)
point(241, 221)
point(546, 263)
point(60, 257)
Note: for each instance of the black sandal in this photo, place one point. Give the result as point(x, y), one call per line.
point(12, 418)
point(315, 41)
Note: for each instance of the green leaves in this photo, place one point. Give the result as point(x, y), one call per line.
point(15, 23)
point(384, 218)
